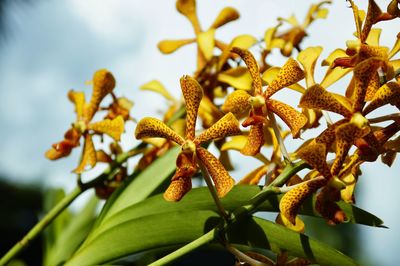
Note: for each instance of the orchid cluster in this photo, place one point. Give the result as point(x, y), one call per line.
point(245, 82)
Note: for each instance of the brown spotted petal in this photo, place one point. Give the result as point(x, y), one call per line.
point(252, 65)
point(292, 200)
point(222, 180)
point(372, 17)
point(294, 119)
point(289, 74)
point(103, 84)
point(193, 93)
point(363, 75)
point(150, 127)
point(181, 182)
point(388, 93)
point(315, 155)
point(88, 155)
point(113, 128)
point(226, 15)
point(228, 125)
point(345, 136)
point(237, 102)
point(327, 207)
point(317, 97)
point(327, 137)
point(255, 140)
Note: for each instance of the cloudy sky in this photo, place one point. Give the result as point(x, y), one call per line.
point(53, 46)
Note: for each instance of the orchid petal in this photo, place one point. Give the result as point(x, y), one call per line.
point(292, 200)
point(239, 78)
point(226, 15)
point(252, 65)
point(388, 93)
point(113, 128)
point(307, 58)
point(334, 74)
point(78, 99)
point(255, 140)
point(188, 9)
point(222, 180)
point(294, 119)
point(270, 74)
point(289, 74)
point(150, 127)
point(88, 155)
point(315, 155)
point(192, 93)
point(317, 97)
point(158, 87)
point(228, 125)
point(206, 42)
point(170, 46)
point(237, 102)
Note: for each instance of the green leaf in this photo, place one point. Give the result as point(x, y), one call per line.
point(156, 223)
point(260, 233)
point(141, 185)
point(72, 235)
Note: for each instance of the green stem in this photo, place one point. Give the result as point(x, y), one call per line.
point(278, 136)
point(41, 225)
point(211, 188)
point(204, 239)
point(66, 201)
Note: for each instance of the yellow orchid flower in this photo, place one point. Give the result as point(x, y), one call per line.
point(103, 84)
point(192, 152)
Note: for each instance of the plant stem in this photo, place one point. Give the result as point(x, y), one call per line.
point(279, 138)
point(211, 188)
point(243, 257)
point(204, 239)
point(41, 225)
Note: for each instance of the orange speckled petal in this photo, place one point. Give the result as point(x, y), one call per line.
point(150, 127)
point(103, 84)
point(255, 140)
point(289, 74)
point(228, 125)
point(178, 188)
point(88, 155)
point(372, 16)
point(292, 200)
point(345, 136)
point(226, 15)
point(372, 87)
point(170, 46)
point(363, 73)
point(113, 128)
point(192, 93)
point(237, 102)
point(294, 119)
point(78, 99)
point(388, 93)
point(317, 97)
point(327, 137)
point(315, 155)
point(252, 65)
point(222, 180)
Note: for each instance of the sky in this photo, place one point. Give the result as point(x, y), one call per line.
point(53, 46)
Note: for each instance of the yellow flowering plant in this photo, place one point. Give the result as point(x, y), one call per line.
point(159, 210)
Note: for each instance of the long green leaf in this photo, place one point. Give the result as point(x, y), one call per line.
point(200, 199)
point(180, 227)
point(144, 184)
point(147, 222)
